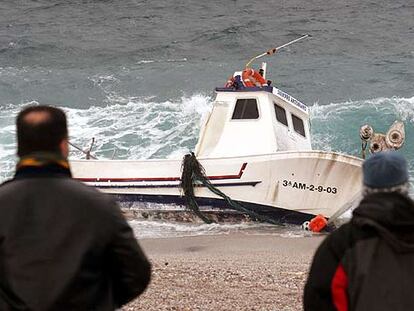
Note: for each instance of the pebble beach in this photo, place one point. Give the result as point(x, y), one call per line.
point(227, 272)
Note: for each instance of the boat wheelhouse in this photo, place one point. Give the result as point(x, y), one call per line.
point(252, 121)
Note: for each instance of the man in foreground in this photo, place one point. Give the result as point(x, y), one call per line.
point(63, 245)
point(368, 264)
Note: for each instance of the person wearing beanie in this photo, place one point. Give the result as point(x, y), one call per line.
point(368, 263)
point(385, 172)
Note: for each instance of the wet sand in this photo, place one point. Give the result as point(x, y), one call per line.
point(227, 272)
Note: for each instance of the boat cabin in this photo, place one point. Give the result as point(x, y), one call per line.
point(252, 121)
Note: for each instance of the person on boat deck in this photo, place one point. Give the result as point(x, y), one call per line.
point(63, 245)
point(368, 263)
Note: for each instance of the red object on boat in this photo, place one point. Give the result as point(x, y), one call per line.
point(318, 223)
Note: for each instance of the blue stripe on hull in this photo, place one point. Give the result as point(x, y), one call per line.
point(278, 214)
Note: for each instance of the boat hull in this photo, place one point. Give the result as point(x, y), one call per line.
point(288, 186)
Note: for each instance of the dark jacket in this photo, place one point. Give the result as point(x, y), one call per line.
point(367, 264)
point(65, 246)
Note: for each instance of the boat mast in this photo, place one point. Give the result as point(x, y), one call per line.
point(274, 50)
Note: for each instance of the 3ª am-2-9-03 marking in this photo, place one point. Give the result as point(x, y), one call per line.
point(305, 186)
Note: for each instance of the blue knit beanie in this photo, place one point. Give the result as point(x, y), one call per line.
point(385, 169)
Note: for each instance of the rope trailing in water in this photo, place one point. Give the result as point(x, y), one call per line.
point(193, 173)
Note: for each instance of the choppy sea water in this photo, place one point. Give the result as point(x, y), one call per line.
point(138, 75)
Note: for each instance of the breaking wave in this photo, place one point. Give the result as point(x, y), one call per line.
point(140, 129)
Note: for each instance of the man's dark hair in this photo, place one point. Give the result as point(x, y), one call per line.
point(40, 128)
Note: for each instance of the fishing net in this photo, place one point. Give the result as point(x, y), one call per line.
point(193, 174)
point(190, 169)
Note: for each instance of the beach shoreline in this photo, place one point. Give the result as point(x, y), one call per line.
point(227, 272)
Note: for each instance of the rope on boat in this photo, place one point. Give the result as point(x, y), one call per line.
point(193, 174)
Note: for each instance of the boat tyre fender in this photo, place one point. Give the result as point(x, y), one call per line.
point(252, 78)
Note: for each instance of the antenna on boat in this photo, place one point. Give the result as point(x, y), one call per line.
point(274, 50)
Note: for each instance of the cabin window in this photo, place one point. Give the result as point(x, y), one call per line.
point(281, 114)
point(246, 109)
point(298, 125)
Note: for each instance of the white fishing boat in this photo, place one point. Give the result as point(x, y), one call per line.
point(255, 147)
